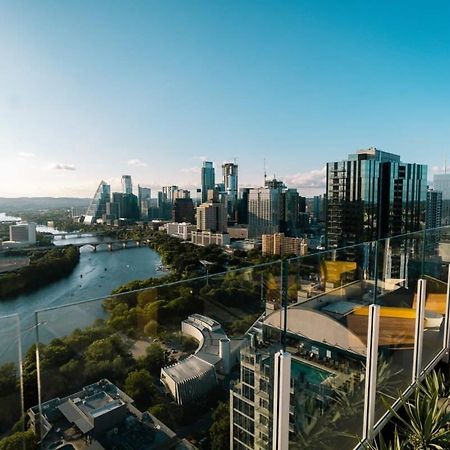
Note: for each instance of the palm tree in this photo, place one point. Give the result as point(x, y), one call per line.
point(424, 423)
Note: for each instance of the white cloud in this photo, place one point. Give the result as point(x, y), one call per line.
point(195, 170)
point(60, 166)
point(136, 163)
point(315, 179)
point(26, 155)
point(437, 169)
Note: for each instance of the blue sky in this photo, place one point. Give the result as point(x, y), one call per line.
point(95, 89)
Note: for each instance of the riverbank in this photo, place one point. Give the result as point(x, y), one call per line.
point(43, 269)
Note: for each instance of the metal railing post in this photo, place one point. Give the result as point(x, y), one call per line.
point(284, 299)
point(446, 342)
point(21, 386)
point(38, 378)
point(370, 390)
point(419, 329)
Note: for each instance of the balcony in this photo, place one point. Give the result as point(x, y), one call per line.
point(327, 333)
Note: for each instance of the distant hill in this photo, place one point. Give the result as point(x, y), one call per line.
point(35, 203)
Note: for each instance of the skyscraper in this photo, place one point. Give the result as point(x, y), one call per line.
point(170, 193)
point(441, 182)
point(208, 179)
point(434, 209)
point(230, 180)
point(97, 206)
point(127, 186)
point(144, 196)
point(183, 210)
point(212, 216)
point(242, 207)
point(373, 195)
point(264, 211)
point(290, 209)
point(127, 205)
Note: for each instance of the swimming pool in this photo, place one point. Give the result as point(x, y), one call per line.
point(308, 373)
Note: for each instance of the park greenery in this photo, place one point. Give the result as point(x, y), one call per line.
point(20, 440)
point(184, 259)
point(149, 309)
point(44, 268)
point(69, 363)
point(219, 432)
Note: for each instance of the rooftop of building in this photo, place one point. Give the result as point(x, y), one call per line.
point(374, 153)
point(207, 354)
point(339, 317)
point(65, 418)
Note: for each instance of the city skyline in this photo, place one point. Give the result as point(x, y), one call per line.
point(156, 89)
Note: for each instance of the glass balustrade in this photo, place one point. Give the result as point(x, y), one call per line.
point(176, 349)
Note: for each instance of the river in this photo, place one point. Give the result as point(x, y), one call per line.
point(96, 275)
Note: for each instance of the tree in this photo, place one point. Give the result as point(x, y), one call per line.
point(8, 377)
point(155, 358)
point(16, 441)
point(140, 386)
point(220, 429)
point(168, 413)
point(151, 328)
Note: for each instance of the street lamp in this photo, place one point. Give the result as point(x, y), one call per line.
point(206, 265)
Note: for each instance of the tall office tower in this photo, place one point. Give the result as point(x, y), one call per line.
point(289, 212)
point(373, 195)
point(127, 205)
point(208, 179)
point(127, 186)
point(112, 210)
point(144, 193)
point(263, 211)
point(318, 207)
point(242, 206)
point(144, 196)
point(212, 216)
point(301, 204)
point(434, 209)
point(230, 180)
point(183, 210)
point(98, 204)
point(182, 193)
point(274, 184)
point(441, 183)
point(170, 193)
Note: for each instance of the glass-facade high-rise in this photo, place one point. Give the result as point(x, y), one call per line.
point(434, 209)
point(264, 211)
point(144, 197)
point(230, 180)
point(441, 183)
point(97, 206)
point(373, 195)
point(208, 179)
point(127, 186)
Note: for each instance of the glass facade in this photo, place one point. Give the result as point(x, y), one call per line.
point(208, 179)
point(373, 195)
point(97, 207)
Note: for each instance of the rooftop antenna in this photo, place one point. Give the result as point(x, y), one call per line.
point(265, 174)
point(445, 165)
